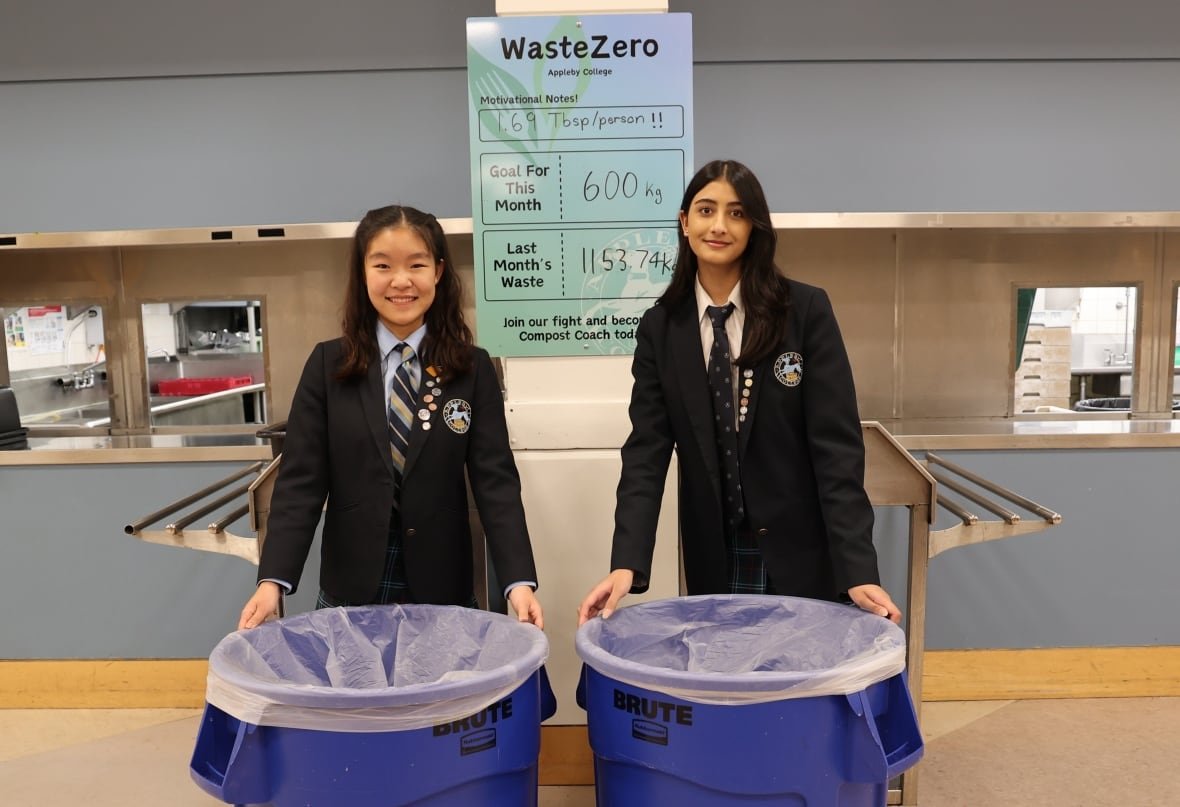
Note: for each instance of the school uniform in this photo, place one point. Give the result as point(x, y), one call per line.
point(800, 455)
point(338, 447)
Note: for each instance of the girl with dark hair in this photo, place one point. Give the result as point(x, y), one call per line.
point(744, 373)
point(384, 424)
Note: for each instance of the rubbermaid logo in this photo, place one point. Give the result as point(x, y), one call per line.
point(477, 741)
point(649, 732)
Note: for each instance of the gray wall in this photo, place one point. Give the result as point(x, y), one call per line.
point(1103, 577)
point(72, 585)
point(141, 115)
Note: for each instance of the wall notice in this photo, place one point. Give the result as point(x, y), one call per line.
point(40, 329)
point(581, 145)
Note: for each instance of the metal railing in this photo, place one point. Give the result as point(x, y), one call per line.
point(894, 477)
point(228, 503)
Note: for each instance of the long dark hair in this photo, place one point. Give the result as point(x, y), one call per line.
point(764, 289)
point(448, 340)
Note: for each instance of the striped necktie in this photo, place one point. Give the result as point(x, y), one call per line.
point(401, 406)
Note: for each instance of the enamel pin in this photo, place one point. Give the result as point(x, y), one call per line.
point(744, 390)
point(788, 369)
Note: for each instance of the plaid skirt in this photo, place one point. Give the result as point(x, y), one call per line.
point(747, 570)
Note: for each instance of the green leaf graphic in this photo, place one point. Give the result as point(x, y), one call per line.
point(486, 79)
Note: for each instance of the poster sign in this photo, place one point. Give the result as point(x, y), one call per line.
point(39, 329)
point(581, 145)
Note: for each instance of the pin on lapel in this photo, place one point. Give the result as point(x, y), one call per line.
point(788, 369)
point(456, 414)
point(746, 388)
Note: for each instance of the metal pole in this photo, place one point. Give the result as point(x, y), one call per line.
point(916, 627)
point(179, 524)
point(1028, 504)
point(964, 515)
point(982, 501)
point(223, 522)
point(136, 526)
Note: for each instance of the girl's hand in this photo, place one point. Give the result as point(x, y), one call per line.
point(524, 602)
point(262, 606)
point(875, 600)
point(604, 597)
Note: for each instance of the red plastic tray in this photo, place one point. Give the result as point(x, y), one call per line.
point(202, 386)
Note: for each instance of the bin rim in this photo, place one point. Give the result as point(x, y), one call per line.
point(477, 683)
point(750, 687)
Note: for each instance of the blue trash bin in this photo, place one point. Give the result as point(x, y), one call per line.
point(721, 700)
point(438, 706)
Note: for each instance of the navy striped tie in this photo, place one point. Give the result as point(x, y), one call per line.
point(402, 399)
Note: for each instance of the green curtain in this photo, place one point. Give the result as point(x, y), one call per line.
point(1024, 304)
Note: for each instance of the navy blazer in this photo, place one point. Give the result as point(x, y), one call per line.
point(337, 447)
point(800, 450)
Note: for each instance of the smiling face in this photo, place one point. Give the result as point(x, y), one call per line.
point(400, 274)
point(716, 227)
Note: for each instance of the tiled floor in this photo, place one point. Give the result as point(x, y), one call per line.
point(1082, 753)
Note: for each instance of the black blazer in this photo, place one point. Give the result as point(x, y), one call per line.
point(800, 450)
point(337, 446)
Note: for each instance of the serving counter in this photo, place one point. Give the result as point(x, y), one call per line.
point(1071, 432)
point(106, 449)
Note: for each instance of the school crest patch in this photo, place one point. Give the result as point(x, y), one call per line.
point(788, 369)
point(456, 413)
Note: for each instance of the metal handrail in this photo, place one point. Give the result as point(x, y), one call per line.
point(229, 518)
point(188, 518)
point(216, 538)
point(187, 403)
point(1003, 512)
point(1028, 504)
point(168, 509)
point(964, 515)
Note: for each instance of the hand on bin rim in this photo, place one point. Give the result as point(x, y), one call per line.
point(604, 598)
point(875, 600)
point(262, 607)
point(526, 606)
point(372, 668)
point(731, 648)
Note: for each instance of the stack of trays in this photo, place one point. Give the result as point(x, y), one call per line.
point(12, 436)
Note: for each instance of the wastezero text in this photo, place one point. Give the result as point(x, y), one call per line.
point(600, 46)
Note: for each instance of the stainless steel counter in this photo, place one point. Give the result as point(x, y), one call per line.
point(1104, 369)
point(102, 450)
point(1100, 431)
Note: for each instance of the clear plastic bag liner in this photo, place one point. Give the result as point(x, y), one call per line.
point(743, 649)
point(375, 668)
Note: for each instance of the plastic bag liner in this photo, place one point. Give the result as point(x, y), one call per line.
point(373, 668)
point(743, 649)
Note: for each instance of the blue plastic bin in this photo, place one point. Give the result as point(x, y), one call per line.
point(439, 757)
point(718, 700)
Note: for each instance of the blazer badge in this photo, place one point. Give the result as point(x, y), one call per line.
point(788, 369)
point(456, 413)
